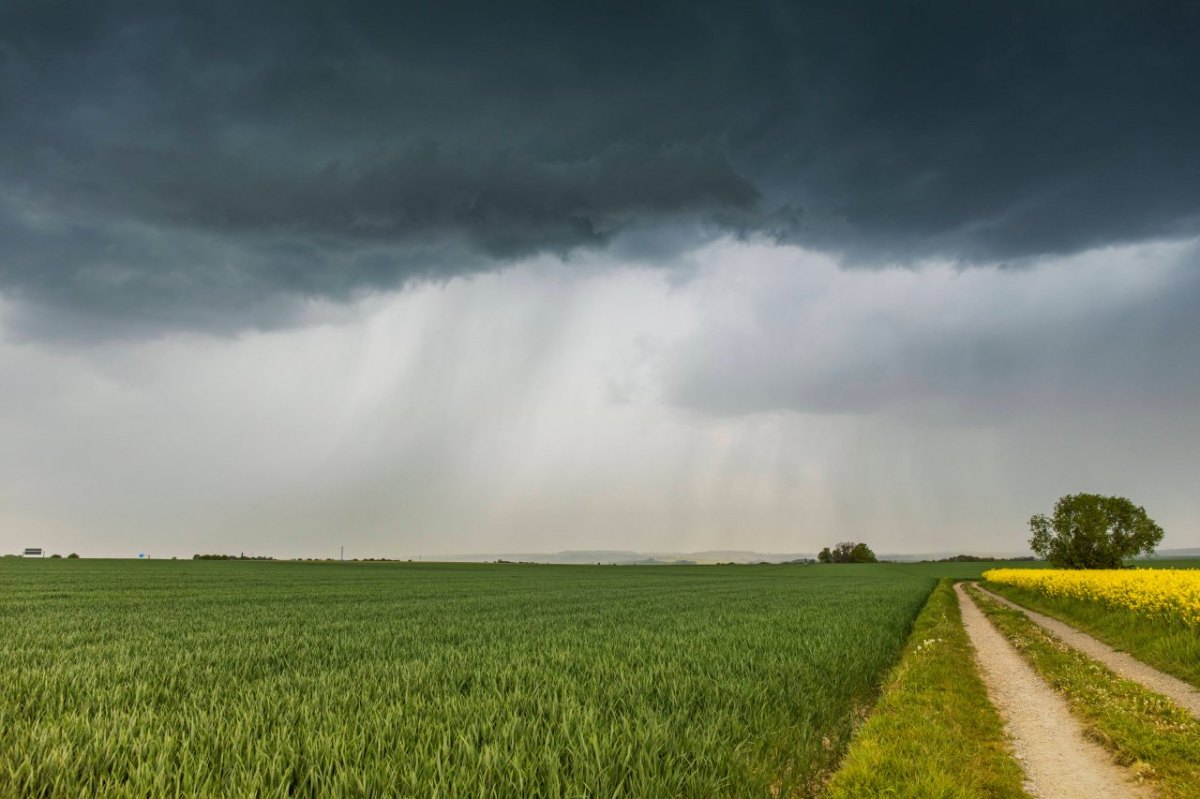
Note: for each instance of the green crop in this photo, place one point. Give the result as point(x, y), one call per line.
point(167, 678)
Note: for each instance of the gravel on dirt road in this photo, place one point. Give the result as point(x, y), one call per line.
point(1059, 761)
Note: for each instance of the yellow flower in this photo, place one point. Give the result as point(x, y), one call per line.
point(1172, 595)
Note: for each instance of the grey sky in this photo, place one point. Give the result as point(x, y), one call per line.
point(656, 276)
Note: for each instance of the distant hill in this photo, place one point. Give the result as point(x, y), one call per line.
point(913, 558)
point(624, 557)
point(1188, 552)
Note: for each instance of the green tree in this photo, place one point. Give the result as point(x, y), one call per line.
point(847, 552)
point(861, 553)
point(1090, 531)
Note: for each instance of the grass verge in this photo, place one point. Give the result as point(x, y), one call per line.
point(934, 733)
point(1148, 733)
point(1169, 647)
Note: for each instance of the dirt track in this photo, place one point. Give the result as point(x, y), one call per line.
point(1059, 762)
point(1173, 688)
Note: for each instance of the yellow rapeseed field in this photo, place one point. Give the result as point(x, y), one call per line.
point(1169, 594)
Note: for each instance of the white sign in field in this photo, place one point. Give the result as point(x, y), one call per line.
point(33, 552)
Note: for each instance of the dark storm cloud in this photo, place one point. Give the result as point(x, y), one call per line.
point(200, 164)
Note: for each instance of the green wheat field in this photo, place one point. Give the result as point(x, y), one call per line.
point(186, 678)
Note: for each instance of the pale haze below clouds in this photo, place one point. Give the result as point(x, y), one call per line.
point(755, 396)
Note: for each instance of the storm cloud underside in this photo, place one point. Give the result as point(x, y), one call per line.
point(203, 165)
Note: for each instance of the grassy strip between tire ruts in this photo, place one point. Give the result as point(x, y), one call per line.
point(934, 733)
point(1155, 738)
point(1173, 648)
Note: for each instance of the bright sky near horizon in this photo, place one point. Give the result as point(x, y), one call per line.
point(757, 277)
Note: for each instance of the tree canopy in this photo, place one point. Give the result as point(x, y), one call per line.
point(847, 552)
point(1090, 531)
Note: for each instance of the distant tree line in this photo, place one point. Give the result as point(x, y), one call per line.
point(847, 552)
point(976, 559)
point(305, 560)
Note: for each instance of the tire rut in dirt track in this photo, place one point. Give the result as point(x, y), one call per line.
point(1125, 665)
point(1059, 762)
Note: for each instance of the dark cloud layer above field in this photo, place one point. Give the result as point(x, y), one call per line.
point(203, 164)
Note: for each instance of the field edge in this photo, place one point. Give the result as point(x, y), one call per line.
point(933, 732)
